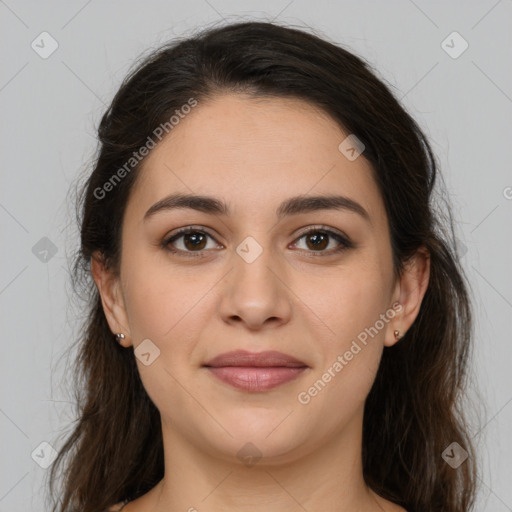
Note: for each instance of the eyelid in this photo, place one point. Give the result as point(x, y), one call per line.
point(324, 228)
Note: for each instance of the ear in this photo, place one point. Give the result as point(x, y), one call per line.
point(109, 287)
point(409, 291)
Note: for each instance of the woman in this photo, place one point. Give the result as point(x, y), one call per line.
point(278, 321)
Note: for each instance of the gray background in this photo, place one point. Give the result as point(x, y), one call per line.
point(50, 108)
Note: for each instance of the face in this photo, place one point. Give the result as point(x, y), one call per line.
point(313, 283)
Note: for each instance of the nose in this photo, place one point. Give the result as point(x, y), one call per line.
point(256, 293)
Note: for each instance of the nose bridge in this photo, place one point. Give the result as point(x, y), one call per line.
point(255, 267)
point(254, 262)
point(256, 291)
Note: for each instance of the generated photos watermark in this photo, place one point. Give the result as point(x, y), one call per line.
point(304, 397)
point(143, 151)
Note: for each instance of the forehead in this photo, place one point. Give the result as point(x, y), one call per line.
point(254, 152)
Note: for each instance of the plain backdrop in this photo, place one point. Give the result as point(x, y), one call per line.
point(51, 104)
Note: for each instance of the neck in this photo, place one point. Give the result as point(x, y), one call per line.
point(324, 477)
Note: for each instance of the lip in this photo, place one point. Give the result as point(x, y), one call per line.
point(255, 372)
point(269, 358)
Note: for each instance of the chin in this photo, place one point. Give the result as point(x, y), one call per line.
point(260, 435)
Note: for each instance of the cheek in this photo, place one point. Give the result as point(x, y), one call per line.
point(159, 300)
point(352, 346)
point(355, 299)
point(333, 398)
point(340, 384)
point(166, 308)
point(170, 308)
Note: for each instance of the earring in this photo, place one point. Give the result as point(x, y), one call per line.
point(397, 334)
point(119, 337)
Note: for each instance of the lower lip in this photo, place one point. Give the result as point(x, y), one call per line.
point(255, 378)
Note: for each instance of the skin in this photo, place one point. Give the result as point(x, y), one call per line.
point(253, 154)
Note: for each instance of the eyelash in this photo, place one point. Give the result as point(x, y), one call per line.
point(345, 243)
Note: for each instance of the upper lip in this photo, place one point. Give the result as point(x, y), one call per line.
point(257, 359)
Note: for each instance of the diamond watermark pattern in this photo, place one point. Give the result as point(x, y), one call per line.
point(249, 250)
point(44, 455)
point(249, 454)
point(351, 147)
point(462, 248)
point(44, 45)
point(454, 45)
point(147, 352)
point(44, 250)
point(455, 455)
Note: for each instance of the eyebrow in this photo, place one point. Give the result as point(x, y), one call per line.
point(292, 206)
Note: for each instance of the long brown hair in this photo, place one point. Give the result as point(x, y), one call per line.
point(413, 411)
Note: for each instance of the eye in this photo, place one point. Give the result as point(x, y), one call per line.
point(319, 238)
point(193, 240)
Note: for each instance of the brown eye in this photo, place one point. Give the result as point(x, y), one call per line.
point(193, 241)
point(188, 241)
point(318, 240)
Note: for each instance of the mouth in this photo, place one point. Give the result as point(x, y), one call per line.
point(255, 372)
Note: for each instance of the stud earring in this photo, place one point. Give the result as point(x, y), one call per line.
point(397, 334)
point(120, 337)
